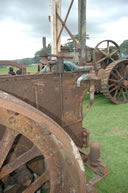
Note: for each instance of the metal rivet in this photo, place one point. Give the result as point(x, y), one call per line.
point(12, 120)
point(28, 128)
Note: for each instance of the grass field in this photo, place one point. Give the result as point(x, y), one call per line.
point(108, 124)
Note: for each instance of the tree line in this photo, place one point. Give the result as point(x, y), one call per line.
point(70, 44)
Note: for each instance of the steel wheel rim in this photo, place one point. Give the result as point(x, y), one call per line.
point(115, 83)
point(77, 184)
point(46, 176)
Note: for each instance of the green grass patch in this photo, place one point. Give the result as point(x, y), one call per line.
point(30, 69)
point(107, 123)
point(5, 70)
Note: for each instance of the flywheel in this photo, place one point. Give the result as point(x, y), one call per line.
point(36, 155)
point(115, 82)
point(105, 52)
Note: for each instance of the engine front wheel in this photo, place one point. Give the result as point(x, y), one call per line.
point(36, 155)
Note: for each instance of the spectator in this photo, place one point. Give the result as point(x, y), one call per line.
point(11, 72)
point(19, 72)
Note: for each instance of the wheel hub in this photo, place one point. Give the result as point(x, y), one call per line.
point(108, 56)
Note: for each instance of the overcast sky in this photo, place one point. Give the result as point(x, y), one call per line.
point(24, 22)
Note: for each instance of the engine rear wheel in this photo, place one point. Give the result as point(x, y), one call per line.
point(115, 83)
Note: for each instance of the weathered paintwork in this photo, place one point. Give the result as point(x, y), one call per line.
point(42, 134)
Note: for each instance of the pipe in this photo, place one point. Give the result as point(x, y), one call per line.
point(82, 77)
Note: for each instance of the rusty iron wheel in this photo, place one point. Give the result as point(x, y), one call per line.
point(115, 83)
point(43, 141)
point(107, 54)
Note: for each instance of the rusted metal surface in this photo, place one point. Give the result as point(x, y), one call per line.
point(93, 162)
point(43, 92)
point(64, 169)
point(92, 90)
point(45, 131)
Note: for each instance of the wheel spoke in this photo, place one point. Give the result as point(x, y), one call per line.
point(111, 85)
point(112, 59)
point(118, 73)
point(6, 143)
point(38, 183)
point(116, 77)
point(115, 94)
point(119, 94)
point(102, 52)
point(101, 60)
point(114, 52)
point(113, 80)
point(114, 89)
point(21, 160)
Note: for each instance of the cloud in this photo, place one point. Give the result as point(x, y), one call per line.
point(103, 17)
point(30, 12)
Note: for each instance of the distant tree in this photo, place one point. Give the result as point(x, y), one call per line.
point(124, 47)
point(70, 42)
point(26, 61)
point(40, 53)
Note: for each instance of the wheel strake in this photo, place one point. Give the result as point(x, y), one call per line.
point(115, 83)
